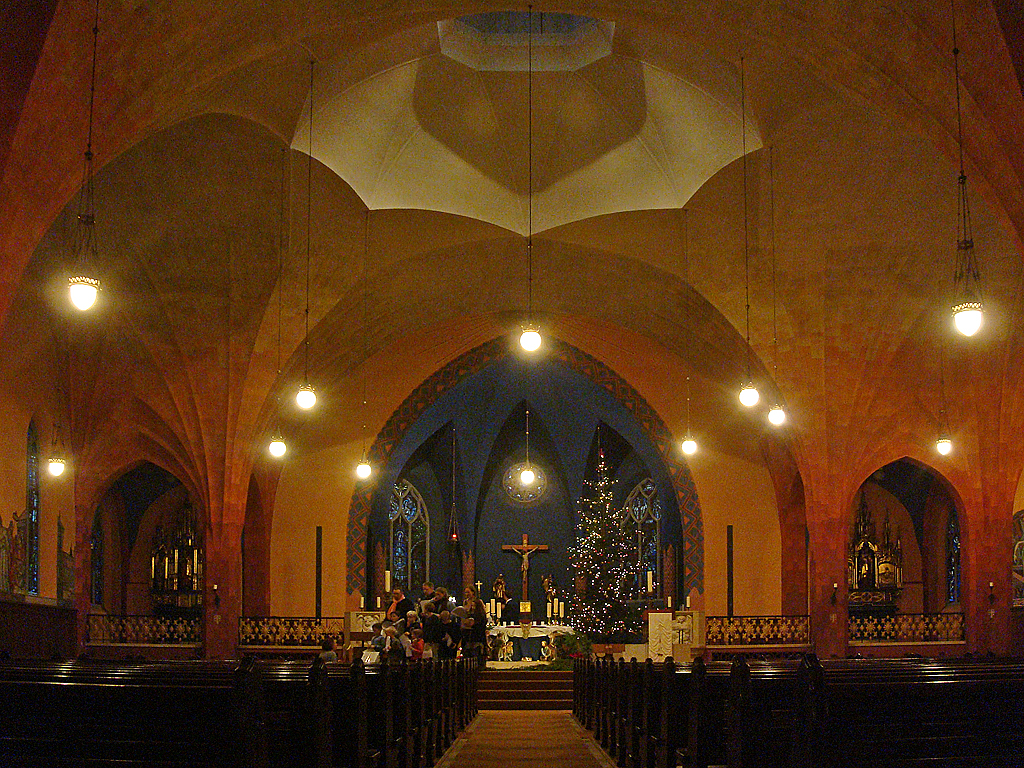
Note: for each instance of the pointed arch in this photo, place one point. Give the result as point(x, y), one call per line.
point(577, 361)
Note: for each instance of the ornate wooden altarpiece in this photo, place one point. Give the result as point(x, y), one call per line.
point(874, 566)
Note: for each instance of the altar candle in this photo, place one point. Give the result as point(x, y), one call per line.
point(561, 609)
point(549, 610)
point(152, 567)
point(490, 606)
point(668, 603)
point(362, 603)
point(687, 602)
point(387, 581)
point(650, 582)
point(499, 611)
point(378, 602)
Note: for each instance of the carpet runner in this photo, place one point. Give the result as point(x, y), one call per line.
point(496, 739)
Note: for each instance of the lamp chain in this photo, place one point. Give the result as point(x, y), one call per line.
point(746, 235)
point(309, 213)
point(529, 154)
point(775, 316)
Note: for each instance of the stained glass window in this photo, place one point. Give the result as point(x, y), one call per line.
point(97, 562)
point(641, 517)
point(409, 536)
point(953, 559)
point(32, 510)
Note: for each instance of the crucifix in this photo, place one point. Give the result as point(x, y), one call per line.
point(524, 550)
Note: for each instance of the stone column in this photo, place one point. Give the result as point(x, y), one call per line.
point(828, 533)
point(222, 598)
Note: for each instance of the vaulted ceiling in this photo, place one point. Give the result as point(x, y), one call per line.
point(419, 211)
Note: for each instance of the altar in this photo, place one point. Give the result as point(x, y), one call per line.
point(516, 642)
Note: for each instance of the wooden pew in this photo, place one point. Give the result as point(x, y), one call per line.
point(182, 714)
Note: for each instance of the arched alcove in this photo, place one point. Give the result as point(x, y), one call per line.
point(910, 517)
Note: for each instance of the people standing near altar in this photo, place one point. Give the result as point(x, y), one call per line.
point(399, 607)
point(427, 596)
point(451, 636)
point(416, 645)
point(442, 602)
point(474, 626)
point(433, 633)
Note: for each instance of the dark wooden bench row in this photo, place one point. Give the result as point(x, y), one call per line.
point(395, 715)
point(845, 714)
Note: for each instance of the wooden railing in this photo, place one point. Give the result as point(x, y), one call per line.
point(908, 628)
point(256, 632)
point(143, 630)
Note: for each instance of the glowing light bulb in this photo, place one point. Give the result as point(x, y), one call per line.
point(689, 446)
point(944, 446)
point(749, 395)
point(56, 467)
point(82, 291)
point(306, 397)
point(363, 469)
point(277, 448)
point(530, 340)
point(777, 415)
point(968, 317)
point(527, 476)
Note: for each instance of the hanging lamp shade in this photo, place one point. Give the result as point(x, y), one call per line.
point(777, 415)
point(968, 316)
point(944, 445)
point(530, 339)
point(305, 398)
point(277, 447)
point(83, 291)
point(56, 466)
point(689, 445)
point(749, 395)
point(363, 469)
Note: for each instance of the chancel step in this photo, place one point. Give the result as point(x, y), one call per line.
point(501, 689)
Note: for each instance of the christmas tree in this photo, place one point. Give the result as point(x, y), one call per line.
point(602, 561)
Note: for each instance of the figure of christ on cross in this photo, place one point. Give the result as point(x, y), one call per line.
point(524, 550)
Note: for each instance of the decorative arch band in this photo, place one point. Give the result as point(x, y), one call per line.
point(577, 361)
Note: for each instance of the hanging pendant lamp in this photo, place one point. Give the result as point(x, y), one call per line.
point(277, 447)
point(777, 414)
point(530, 339)
point(968, 310)
point(528, 476)
point(689, 445)
point(749, 395)
point(83, 285)
point(306, 395)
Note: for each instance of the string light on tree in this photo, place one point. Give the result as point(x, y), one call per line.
point(602, 559)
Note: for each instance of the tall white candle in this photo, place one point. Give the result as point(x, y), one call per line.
point(650, 582)
point(549, 610)
point(387, 581)
point(499, 611)
point(362, 602)
point(561, 609)
point(378, 602)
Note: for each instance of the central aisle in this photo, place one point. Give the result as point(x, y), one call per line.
point(523, 738)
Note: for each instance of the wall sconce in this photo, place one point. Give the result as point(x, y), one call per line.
point(835, 592)
point(216, 597)
point(991, 594)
